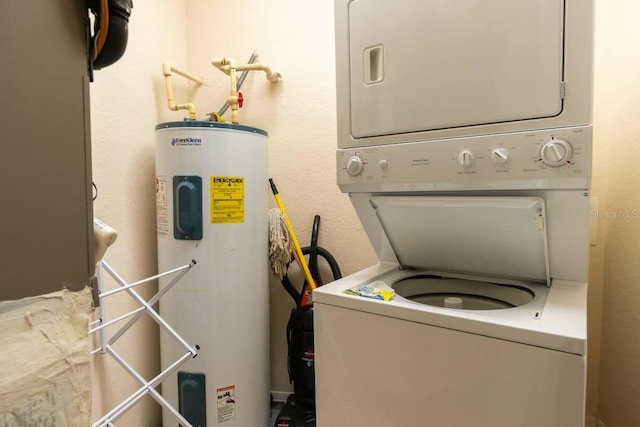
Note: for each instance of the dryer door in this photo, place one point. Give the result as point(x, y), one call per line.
point(437, 64)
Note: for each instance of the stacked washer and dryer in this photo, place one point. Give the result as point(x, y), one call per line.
point(464, 142)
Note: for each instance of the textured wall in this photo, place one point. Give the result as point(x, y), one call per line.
point(599, 181)
point(619, 67)
point(127, 101)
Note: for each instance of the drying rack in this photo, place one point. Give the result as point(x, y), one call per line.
point(105, 343)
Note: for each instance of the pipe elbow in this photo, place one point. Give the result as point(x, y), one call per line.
point(272, 76)
point(224, 64)
point(166, 69)
point(230, 62)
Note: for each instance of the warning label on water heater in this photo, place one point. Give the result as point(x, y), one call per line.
point(227, 199)
point(226, 403)
point(162, 213)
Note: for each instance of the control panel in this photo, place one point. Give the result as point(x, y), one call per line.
point(548, 159)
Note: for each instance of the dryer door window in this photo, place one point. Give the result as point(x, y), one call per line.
point(437, 64)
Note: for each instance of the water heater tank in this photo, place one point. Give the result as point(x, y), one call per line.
point(212, 207)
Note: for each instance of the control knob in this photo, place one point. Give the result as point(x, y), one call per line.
point(354, 165)
point(556, 152)
point(500, 156)
point(466, 158)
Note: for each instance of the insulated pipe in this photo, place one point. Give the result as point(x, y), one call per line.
point(229, 67)
point(253, 58)
point(272, 76)
point(167, 70)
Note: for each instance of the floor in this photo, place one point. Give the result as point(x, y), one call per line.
point(275, 408)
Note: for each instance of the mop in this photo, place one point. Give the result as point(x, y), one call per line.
point(279, 243)
point(294, 247)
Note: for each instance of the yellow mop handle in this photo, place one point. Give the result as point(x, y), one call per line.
point(302, 262)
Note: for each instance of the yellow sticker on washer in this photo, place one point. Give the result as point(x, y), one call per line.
point(227, 199)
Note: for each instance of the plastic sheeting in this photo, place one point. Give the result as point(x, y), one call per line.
point(44, 360)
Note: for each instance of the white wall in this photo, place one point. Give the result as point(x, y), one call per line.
point(127, 101)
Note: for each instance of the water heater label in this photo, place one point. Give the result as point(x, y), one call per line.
point(186, 142)
point(227, 199)
point(162, 214)
point(226, 403)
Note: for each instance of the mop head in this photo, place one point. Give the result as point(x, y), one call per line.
point(279, 243)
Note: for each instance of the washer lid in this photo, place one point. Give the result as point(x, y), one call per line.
point(485, 236)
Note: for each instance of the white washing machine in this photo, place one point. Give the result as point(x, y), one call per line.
point(476, 201)
point(488, 324)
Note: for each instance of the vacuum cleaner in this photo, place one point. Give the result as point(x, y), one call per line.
point(299, 409)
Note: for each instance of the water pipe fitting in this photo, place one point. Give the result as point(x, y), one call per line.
point(167, 71)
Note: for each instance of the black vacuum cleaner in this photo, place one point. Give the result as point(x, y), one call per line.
point(300, 408)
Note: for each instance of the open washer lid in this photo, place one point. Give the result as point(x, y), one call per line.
point(498, 237)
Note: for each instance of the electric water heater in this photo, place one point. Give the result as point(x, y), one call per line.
point(212, 207)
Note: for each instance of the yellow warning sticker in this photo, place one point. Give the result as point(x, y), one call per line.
point(227, 199)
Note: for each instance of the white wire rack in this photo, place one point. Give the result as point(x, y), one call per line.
point(105, 343)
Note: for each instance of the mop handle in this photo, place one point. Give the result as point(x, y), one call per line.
point(302, 262)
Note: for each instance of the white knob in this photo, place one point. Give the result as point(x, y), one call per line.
point(354, 165)
point(383, 163)
point(466, 158)
point(500, 156)
point(556, 152)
